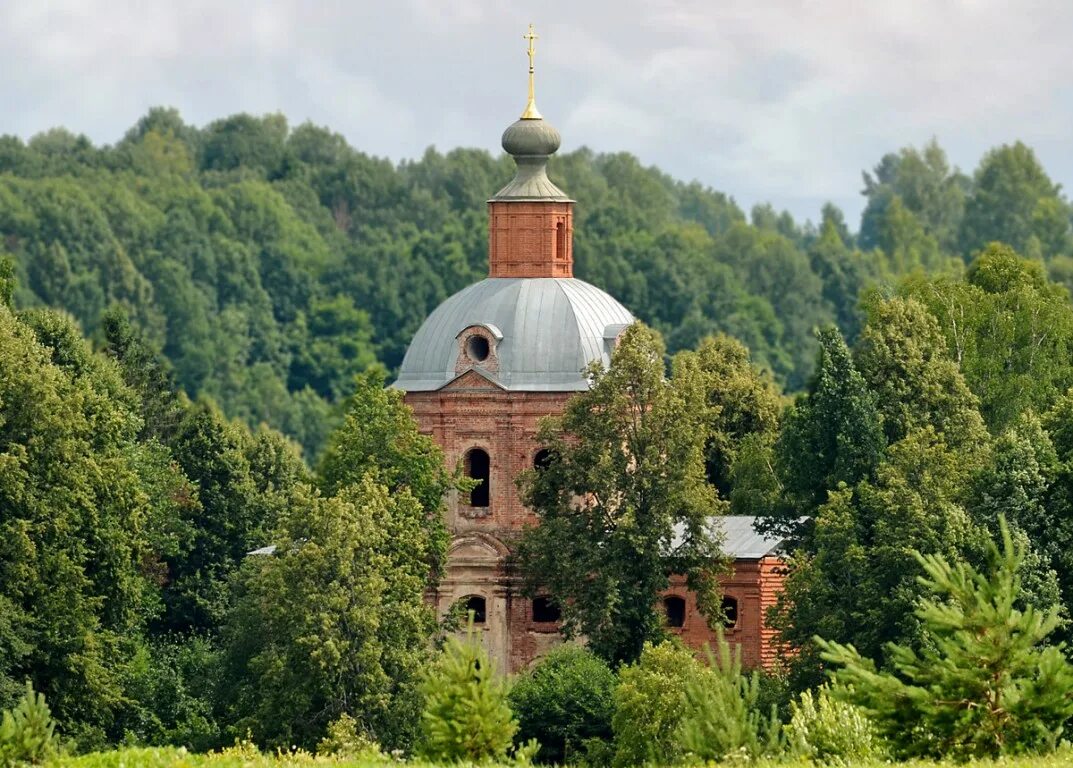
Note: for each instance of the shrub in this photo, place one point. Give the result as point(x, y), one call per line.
point(649, 704)
point(27, 732)
point(466, 716)
point(566, 703)
point(830, 731)
point(723, 716)
point(345, 740)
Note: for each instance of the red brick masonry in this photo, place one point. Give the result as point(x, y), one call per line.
point(473, 412)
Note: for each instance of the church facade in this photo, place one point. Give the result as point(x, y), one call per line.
point(493, 360)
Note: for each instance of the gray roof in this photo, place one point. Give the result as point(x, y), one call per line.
point(552, 328)
point(741, 541)
point(531, 182)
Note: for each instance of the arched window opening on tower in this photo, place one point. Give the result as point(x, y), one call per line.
point(545, 610)
point(478, 467)
point(676, 610)
point(475, 605)
point(560, 240)
point(542, 459)
point(730, 612)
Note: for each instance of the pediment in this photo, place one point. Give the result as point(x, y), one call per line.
point(476, 548)
point(474, 378)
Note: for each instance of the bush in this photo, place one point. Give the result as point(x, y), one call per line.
point(345, 740)
point(723, 715)
point(566, 703)
point(830, 731)
point(27, 732)
point(649, 704)
point(466, 715)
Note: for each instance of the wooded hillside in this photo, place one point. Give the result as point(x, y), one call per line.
point(270, 264)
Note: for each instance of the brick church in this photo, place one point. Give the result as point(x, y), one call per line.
point(494, 359)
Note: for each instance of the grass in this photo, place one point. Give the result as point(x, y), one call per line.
point(248, 757)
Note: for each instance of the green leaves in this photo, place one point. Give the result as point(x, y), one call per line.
point(624, 502)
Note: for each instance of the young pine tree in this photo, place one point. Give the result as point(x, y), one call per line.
point(985, 683)
point(467, 717)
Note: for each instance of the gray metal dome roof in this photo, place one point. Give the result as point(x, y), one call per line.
point(548, 331)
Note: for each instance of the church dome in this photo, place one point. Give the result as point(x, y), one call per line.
point(527, 334)
point(531, 137)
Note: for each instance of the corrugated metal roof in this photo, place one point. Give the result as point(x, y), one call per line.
point(552, 329)
point(740, 539)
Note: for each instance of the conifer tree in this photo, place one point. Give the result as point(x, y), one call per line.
point(466, 716)
point(985, 683)
point(832, 435)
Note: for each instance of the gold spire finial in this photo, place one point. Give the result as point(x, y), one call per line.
point(531, 112)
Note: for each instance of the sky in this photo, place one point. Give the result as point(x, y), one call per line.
point(781, 101)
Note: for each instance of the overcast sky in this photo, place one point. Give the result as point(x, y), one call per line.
point(768, 101)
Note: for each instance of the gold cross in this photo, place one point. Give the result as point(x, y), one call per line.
point(531, 112)
point(531, 37)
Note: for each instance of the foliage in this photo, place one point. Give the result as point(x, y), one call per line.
point(723, 717)
point(831, 435)
point(174, 679)
point(564, 703)
point(625, 480)
point(650, 705)
point(27, 732)
point(902, 357)
point(466, 717)
point(75, 557)
point(334, 622)
point(345, 740)
point(741, 402)
point(828, 730)
point(1008, 328)
point(985, 684)
point(379, 435)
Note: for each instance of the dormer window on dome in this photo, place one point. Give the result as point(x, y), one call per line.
point(477, 346)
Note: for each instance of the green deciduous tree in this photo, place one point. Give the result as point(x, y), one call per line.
point(623, 502)
point(903, 358)
point(741, 402)
point(650, 705)
point(565, 703)
point(1014, 201)
point(334, 622)
point(76, 565)
point(1008, 328)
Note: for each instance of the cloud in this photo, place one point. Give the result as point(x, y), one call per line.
point(784, 100)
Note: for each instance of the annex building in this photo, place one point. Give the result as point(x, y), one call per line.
point(493, 360)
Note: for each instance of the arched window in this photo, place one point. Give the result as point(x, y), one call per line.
point(730, 612)
point(542, 459)
point(560, 240)
point(476, 605)
point(545, 610)
point(676, 610)
point(478, 467)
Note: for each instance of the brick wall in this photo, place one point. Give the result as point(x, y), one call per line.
point(530, 239)
point(472, 412)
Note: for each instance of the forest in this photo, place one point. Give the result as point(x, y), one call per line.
point(271, 264)
point(196, 330)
